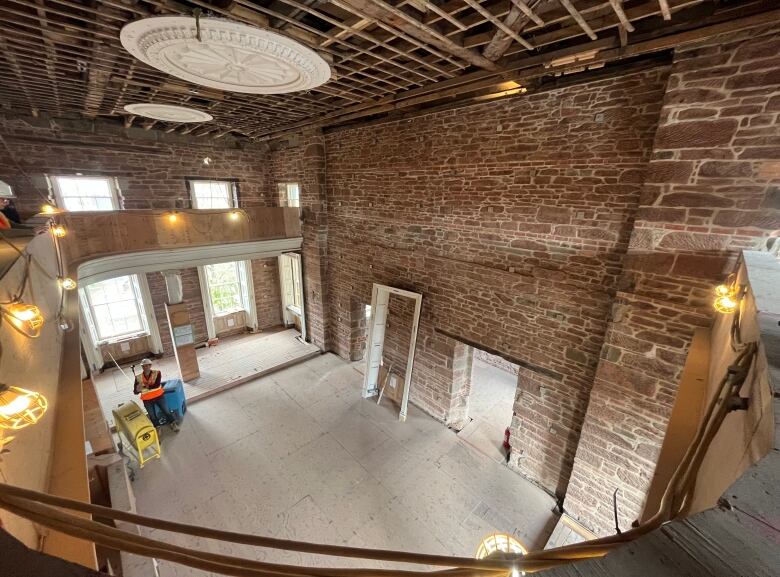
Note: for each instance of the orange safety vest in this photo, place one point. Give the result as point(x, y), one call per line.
point(147, 393)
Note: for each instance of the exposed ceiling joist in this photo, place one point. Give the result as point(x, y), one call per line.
point(63, 57)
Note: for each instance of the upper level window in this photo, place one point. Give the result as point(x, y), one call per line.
point(227, 286)
point(114, 308)
point(78, 193)
point(212, 194)
point(290, 194)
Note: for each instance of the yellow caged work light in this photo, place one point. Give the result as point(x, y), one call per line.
point(20, 407)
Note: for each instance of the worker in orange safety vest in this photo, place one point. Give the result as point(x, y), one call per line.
point(149, 385)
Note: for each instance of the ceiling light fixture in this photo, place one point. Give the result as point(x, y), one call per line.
point(225, 55)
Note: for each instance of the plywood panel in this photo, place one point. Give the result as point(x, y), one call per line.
point(95, 234)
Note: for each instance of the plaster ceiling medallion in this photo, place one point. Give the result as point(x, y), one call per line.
point(229, 56)
point(168, 112)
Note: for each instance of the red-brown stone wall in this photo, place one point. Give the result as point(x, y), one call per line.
point(711, 190)
point(511, 218)
point(191, 295)
point(268, 295)
point(303, 161)
point(151, 167)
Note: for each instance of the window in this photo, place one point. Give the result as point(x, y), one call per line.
point(114, 308)
point(212, 194)
point(227, 286)
point(290, 194)
point(78, 193)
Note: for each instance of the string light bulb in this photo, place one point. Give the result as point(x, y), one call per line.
point(173, 217)
point(50, 209)
point(67, 283)
point(59, 231)
point(20, 408)
point(234, 214)
point(27, 319)
point(726, 304)
point(723, 290)
point(206, 161)
point(727, 296)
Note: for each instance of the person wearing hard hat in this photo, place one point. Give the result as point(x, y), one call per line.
point(149, 385)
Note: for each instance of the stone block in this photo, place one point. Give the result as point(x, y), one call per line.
point(723, 169)
point(712, 268)
point(759, 79)
point(695, 199)
point(696, 134)
point(748, 219)
point(691, 241)
point(667, 171)
point(554, 214)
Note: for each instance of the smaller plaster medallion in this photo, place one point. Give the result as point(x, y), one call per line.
point(168, 112)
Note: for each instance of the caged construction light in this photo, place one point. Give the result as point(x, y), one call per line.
point(501, 546)
point(20, 407)
point(27, 319)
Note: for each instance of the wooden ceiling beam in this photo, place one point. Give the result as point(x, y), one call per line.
point(529, 67)
point(604, 22)
point(525, 9)
point(400, 20)
point(578, 18)
point(516, 20)
point(617, 6)
point(444, 14)
point(98, 78)
point(667, 13)
point(371, 38)
point(499, 24)
point(397, 33)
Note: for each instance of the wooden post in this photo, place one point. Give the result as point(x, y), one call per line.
point(183, 345)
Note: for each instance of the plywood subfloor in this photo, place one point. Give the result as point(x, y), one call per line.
point(299, 454)
point(233, 360)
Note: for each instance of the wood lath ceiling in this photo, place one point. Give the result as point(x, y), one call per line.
point(63, 57)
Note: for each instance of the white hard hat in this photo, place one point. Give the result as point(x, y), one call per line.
point(146, 362)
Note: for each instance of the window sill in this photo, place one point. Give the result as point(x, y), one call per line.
point(123, 338)
point(228, 313)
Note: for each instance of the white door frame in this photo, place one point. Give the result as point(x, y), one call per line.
point(380, 296)
point(288, 308)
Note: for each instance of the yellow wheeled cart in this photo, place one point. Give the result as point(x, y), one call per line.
point(132, 423)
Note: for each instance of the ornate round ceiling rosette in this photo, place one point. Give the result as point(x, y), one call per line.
point(230, 56)
point(168, 112)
